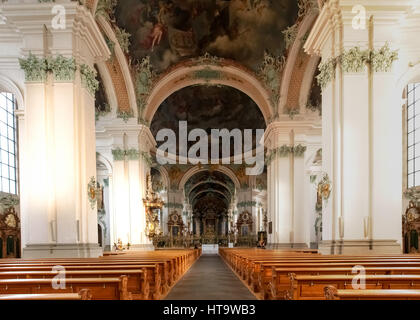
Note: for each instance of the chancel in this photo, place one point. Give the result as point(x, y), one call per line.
point(289, 129)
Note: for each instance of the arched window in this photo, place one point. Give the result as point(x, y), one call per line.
point(8, 144)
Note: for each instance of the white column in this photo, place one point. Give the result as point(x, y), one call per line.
point(130, 149)
point(279, 187)
point(300, 221)
point(362, 131)
point(59, 136)
point(121, 201)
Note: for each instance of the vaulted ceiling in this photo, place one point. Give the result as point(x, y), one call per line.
point(172, 30)
point(208, 107)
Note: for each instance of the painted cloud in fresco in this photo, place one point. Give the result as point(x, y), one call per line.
point(172, 30)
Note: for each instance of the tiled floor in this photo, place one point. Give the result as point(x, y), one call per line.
point(210, 279)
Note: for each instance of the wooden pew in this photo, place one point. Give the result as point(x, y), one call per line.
point(260, 281)
point(138, 281)
point(305, 287)
point(158, 279)
point(82, 295)
point(100, 288)
point(332, 293)
point(280, 281)
point(266, 272)
point(163, 269)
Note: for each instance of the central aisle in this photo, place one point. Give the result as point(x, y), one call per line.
point(210, 279)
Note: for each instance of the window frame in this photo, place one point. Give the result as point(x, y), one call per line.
point(8, 144)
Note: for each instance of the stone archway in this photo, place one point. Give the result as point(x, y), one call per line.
point(221, 72)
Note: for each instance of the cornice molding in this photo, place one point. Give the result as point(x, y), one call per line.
point(29, 20)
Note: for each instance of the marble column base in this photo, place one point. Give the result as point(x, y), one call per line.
point(43, 251)
point(278, 246)
point(362, 247)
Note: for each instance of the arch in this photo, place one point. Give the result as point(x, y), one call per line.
point(191, 172)
point(164, 174)
point(304, 26)
point(109, 86)
point(308, 77)
point(232, 75)
point(412, 74)
point(122, 61)
point(204, 182)
point(205, 191)
point(9, 86)
point(100, 235)
point(105, 161)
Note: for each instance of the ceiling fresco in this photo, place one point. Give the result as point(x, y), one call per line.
point(208, 107)
point(170, 31)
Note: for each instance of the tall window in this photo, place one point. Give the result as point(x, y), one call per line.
point(8, 171)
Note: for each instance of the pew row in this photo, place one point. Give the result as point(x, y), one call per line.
point(100, 288)
point(82, 295)
point(332, 293)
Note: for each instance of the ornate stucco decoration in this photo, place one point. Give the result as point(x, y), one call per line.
point(132, 154)
point(118, 154)
point(307, 7)
point(314, 107)
point(413, 194)
point(106, 8)
point(247, 204)
point(270, 74)
point(383, 58)
point(144, 77)
point(104, 112)
point(147, 158)
point(284, 151)
point(35, 68)
point(123, 38)
point(355, 60)
point(62, 68)
point(125, 115)
point(292, 112)
point(299, 150)
point(208, 59)
point(9, 200)
point(290, 35)
point(91, 191)
point(110, 44)
point(88, 76)
point(281, 152)
point(326, 72)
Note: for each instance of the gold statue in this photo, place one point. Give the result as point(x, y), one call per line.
point(119, 245)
